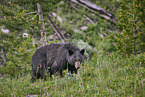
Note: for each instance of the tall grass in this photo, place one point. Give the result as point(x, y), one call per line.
point(104, 75)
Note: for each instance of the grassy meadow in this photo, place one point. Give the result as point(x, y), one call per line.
point(104, 75)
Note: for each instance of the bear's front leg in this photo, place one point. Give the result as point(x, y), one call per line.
point(60, 72)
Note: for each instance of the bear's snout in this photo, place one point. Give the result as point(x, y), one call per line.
point(77, 64)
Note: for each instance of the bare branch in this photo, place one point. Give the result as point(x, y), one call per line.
point(140, 51)
point(78, 11)
point(127, 5)
point(96, 9)
point(62, 38)
point(29, 13)
point(33, 42)
point(35, 16)
point(3, 55)
point(42, 29)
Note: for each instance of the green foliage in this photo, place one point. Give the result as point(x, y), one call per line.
point(104, 75)
point(18, 17)
point(23, 15)
point(18, 57)
point(132, 39)
point(72, 21)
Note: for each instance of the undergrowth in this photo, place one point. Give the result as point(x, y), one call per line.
point(104, 75)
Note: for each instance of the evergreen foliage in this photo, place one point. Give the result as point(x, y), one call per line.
point(105, 74)
point(19, 17)
point(131, 20)
point(17, 53)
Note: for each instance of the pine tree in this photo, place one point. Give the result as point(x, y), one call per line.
point(131, 20)
point(20, 16)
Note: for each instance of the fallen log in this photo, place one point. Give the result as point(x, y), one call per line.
point(96, 9)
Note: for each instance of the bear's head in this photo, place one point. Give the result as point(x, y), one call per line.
point(75, 58)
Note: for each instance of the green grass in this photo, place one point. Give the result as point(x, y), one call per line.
point(104, 75)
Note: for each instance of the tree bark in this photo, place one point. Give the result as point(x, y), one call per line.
point(42, 29)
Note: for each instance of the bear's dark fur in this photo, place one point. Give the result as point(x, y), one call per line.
point(55, 58)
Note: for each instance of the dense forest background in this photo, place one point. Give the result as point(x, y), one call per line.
point(111, 31)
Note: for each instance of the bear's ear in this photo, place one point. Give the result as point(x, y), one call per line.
point(70, 52)
point(82, 51)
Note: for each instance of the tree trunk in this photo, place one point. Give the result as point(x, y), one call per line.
point(42, 29)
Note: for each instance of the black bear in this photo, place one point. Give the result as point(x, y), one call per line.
point(56, 57)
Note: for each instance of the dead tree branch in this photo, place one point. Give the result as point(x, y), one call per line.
point(42, 29)
point(2, 52)
point(29, 13)
point(55, 28)
point(96, 9)
point(78, 11)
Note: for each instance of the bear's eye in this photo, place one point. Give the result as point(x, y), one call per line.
point(79, 59)
point(74, 59)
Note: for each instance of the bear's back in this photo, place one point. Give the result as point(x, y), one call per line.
point(71, 46)
point(52, 52)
